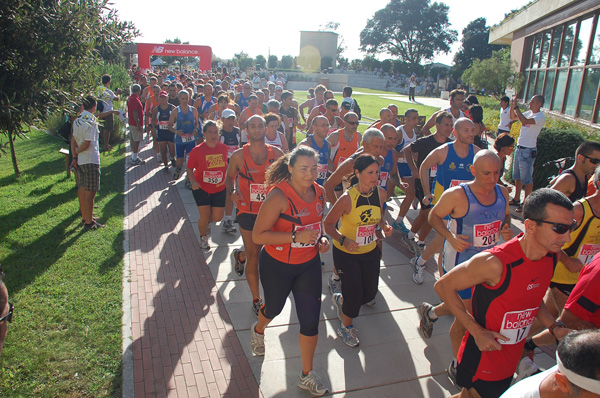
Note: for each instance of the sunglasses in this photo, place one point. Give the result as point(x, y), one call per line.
point(353, 123)
point(558, 227)
point(8, 317)
point(334, 110)
point(592, 160)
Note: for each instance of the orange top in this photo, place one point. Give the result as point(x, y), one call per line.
point(300, 215)
point(344, 149)
point(252, 181)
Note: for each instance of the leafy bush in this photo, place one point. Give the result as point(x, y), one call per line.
point(552, 144)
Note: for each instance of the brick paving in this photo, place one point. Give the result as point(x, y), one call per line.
point(183, 342)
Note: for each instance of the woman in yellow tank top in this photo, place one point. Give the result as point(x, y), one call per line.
point(355, 253)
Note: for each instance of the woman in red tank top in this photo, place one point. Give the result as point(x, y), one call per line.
point(289, 224)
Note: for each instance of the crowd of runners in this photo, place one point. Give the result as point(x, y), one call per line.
point(295, 199)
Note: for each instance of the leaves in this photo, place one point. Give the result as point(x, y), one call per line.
point(494, 74)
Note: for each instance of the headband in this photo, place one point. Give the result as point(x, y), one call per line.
point(591, 385)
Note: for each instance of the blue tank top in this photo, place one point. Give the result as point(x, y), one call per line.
point(386, 168)
point(323, 159)
point(481, 224)
point(205, 106)
point(185, 122)
point(453, 171)
point(243, 102)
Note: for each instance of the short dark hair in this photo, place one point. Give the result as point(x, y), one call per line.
point(208, 124)
point(503, 140)
point(347, 91)
point(363, 161)
point(505, 99)
point(579, 351)
point(270, 117)
point(534, 207)
point(477, 114)
point(105, 79)
point(252, 96)
point(456, 92)
point(286, 94)
point(443, 115)
point(473, 99)
point(331, 102)
point(88, 102)
point(587, 147)
point(409, 111)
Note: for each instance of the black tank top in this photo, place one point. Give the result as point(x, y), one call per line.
point(580, 190)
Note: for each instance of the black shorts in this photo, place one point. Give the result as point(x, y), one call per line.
point(563, 288)
point(165, 136)
point(419, 194)
point(246, 221)
point(204, 198)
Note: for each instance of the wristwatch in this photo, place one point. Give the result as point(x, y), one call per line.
point(294, 237)
point(557, 324)
point(342, 239)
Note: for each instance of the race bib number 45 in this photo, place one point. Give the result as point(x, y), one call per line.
point(258, 192)
point(212, 177)
point(516, 325)
point(485, 235)
point(316, 226)
point(365, 234)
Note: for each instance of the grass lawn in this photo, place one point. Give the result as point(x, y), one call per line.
point(65, 284)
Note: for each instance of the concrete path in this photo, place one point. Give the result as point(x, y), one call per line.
point(190, 315)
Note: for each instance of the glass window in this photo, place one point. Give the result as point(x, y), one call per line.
point(548, 87)
point(540, 82)
point(536, 51)
point(590, 88)
point(573, 91)
point(527, 52)
point(559, 93)
point(595, 55)
point(530, 84)
point(565, 55)
point(556, 37)
point(545, 46)
point(583, 41)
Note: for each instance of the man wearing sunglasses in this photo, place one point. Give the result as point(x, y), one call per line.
point(508, 284)
point(573, 181)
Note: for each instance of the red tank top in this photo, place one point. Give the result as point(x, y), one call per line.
point(510, 307)
point(300, 215)
point(344, 148)
point(252, 181)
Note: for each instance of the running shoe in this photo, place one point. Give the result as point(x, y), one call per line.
point(312, 384)
point(238, 266)
point(204, 242)
point(188, 184)
point(410, 243)
point(256, 306)
point(335, 286)
point(173, 162)
point(166, 170)
point(338, 301)
point(372, 302)
point(526, 368)
point(452, 374)
point(418, 274)
point(426, 324)
point(177, 174)
point(227, 226)
point(257, 343)
point(400, 227)
point(348, 335)
point(137, 162)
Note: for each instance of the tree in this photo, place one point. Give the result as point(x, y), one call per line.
point(355, 64)
point(341, 47)
point(48, 49)
point(412, 30)
point(475, 37)
point(494, 74)
point(272, 61)
point(287, 61)
point(260, 60)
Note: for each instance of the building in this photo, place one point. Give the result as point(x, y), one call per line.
point(556, 45)
point(314, 46)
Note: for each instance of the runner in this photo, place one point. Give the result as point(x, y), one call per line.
point(508, 284)
point(205, 103)
point(251, 110)
point(206, 169)
point(242, 98)
point(165, 138)
point(289, 225)
point(457, 97)
point(388, 175)
point(312, 103)
point(273, 136)
point(290, 118)
point(250, 164)
point(356, 255)
point(574, 180)
point(344, 142)
point(184, 123)
point(152, 102)
point(318, 142)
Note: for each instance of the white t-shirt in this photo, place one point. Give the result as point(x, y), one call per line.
point(529, 133)
point(85, 128)
point(504, 119)
point(529, 387)
point(107, 96)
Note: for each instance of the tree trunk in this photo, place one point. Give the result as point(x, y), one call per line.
point(13, 155)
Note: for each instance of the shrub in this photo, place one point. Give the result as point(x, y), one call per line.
point(552, 144)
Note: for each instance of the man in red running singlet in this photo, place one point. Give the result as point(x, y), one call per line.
point(508, 283)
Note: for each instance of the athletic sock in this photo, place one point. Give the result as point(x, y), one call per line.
point(432, 314)
point(411, 235)
point(421, 261)
point(421, 242)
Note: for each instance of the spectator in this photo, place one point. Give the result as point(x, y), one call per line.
point(505, 121)
point(106, 96)
point(6, 311)
point(136, 123)
point(504, 146)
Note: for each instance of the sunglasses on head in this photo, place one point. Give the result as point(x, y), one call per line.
point(558, 227)
point(592, 160)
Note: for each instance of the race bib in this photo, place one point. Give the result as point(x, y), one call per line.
point(231, 149)
point(486, 235)
point(516, 325)
point(321, 171)
point(258, 192)
point(212, 177)
point(383, 179)
point(316, 226)
point(163, 125)
point(455, 183)
point(187, 138)
point(433, 170)
point(587, 252)
point(365, 234)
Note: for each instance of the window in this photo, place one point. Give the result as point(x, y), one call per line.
point(540, 82)
point(548, 87)
point(583, 41)
point(561, 83)
point(557, 36)
point(535, 62)
point(595, 55)
point(546, 37)
point(573, 91)
point(565, 55)
point(590, 90)
point(530, 84)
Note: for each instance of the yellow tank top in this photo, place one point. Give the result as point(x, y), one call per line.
point(360, 224)
point(584, 244)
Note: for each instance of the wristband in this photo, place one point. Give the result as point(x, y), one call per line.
point(556, 324)
point(294, 237)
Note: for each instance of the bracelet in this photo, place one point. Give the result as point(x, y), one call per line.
point(556, 324)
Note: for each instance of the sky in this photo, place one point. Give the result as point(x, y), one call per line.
point(268, 27)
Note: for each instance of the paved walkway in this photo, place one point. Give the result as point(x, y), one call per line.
point(190, 315)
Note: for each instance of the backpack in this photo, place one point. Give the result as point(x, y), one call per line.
point(100, 106)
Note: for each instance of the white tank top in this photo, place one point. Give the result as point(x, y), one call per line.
point(406, 141)
point(276, 142)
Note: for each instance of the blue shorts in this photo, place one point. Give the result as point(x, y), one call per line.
point(182, 148)
point(464, 294)
point(523, 165)
point(404, 170)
